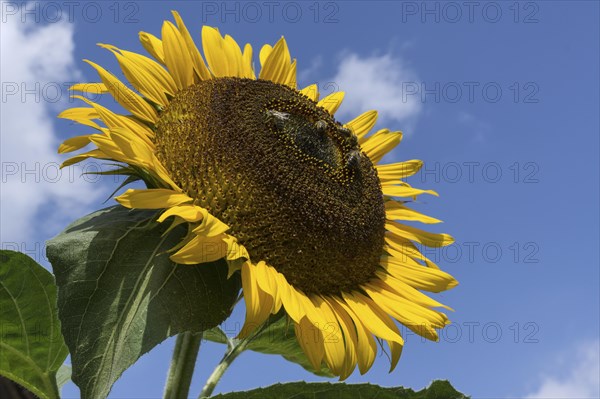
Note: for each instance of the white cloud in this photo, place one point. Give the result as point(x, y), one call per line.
point(382, 83)
point(36, 61)
point(577, 375)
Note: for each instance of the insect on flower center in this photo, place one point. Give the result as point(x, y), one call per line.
point(288, 179)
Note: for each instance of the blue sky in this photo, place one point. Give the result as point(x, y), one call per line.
point(500, 99)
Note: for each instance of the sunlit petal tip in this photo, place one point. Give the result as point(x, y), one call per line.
point(153, 45)
point(453, 283)
point(107, 46)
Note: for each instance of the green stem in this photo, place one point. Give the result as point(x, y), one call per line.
point(234, 348)
point(182, 365)
point(232, 353)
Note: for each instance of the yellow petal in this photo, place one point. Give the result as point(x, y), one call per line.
point(311, 341)
point(407, 249)
point(277, 65)
point(201, 249)
point(401, 256)
point(263, 278)
point(290, 299)
point(312, 92)
point(332, 102)
point(402, 191)
point(418, 235)
point(126, 97)
point(419, 277)
point(258, 303)
point(158, 73)
point(153, 45)
point(247, 63)
point(133, 147)
point(371, 316)
point(290, 80)
point(93, 88)
point(362, 125)
point(210, 226)
point(234, 56)
point(380, 144)
point(177, 57)
point(333, 342)
point(267, 280)
point(350, 338)
point(396, 350)
point(395, 210)
point(405, 312)
point(366, 346)
point(264, 53)
point(216, 53)
point(141, 72)
point(188, 212)
point(82, 157)
point(153, 198)
point(74, 144)
point(82, 115)
point(116, 121)
point(396, 171)
point(110, 148)
point(159, 170)
point(235, 251)
point(310, 310)
point(406, 291)
point(200, 68)
point(395, 345)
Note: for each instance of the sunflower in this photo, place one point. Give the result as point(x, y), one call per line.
point(264, 177)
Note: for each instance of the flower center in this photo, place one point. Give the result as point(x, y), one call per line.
point(288, 179)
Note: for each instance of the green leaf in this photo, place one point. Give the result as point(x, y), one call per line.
point(278, 338)
point(119, 294)
point(325, 390)
point(216, 335)
point(63, 375)
point(31, 345)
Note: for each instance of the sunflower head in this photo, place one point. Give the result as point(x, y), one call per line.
point(265, 177)
point(289, 181)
